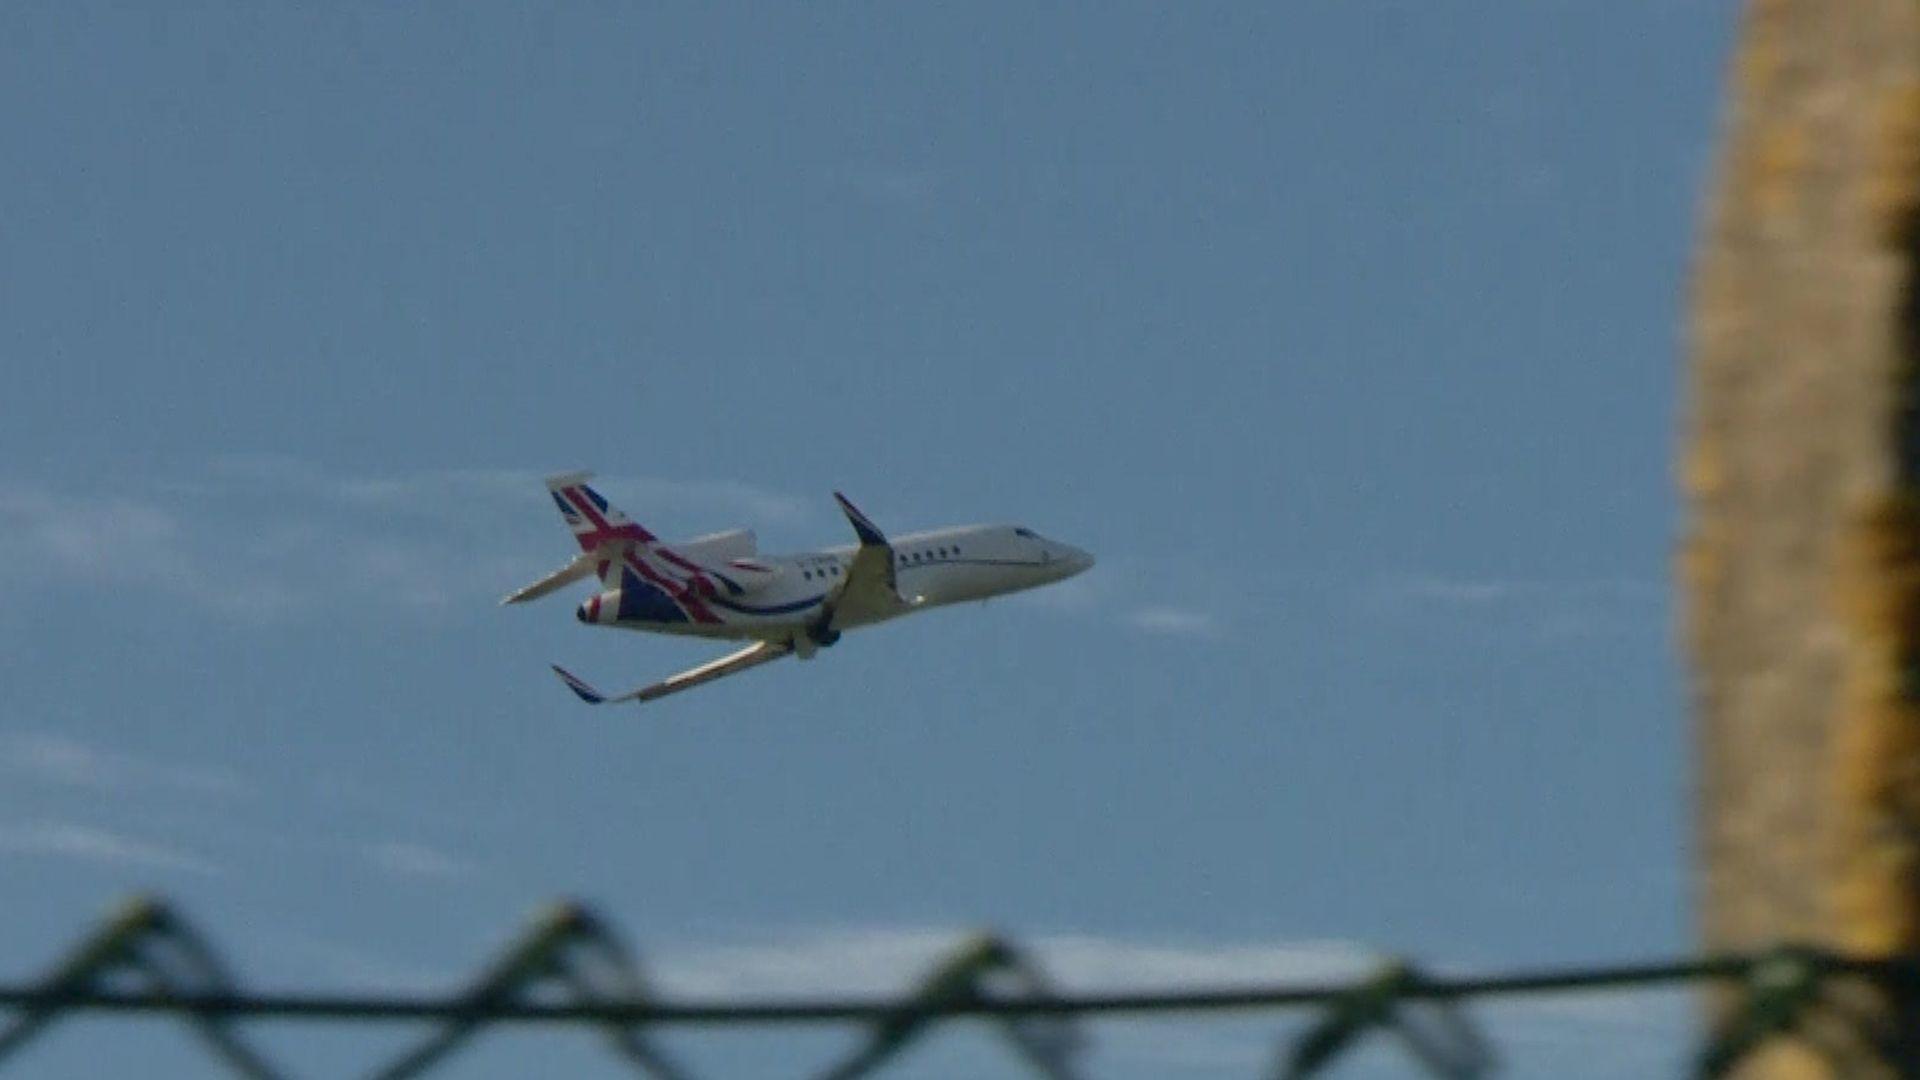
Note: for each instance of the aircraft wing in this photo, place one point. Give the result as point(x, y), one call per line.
point(760, 652)
point(870, 590)
point(582, 565)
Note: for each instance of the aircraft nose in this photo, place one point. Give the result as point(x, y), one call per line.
point(1077, 560)
point(580, 613)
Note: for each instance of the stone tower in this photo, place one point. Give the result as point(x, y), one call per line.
point(1801, 568)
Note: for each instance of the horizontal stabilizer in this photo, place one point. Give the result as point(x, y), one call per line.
point(582, 565)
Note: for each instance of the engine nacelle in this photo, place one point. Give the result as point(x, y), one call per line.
point(600, 609)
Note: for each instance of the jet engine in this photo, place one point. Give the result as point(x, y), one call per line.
point(600, 608)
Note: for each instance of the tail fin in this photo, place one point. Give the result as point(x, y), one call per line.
point(623, 548)
point(593, 520)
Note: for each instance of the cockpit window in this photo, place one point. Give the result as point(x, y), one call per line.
point(1028, 533)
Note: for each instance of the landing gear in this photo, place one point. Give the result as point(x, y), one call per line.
point(817, 635)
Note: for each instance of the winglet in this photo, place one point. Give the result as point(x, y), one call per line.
point(870, 534)
point(579, 686)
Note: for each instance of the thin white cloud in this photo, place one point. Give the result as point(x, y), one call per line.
point(886, 960)
point(123, 543)
point(99, 535)
point(267, 539)
point(59, 759)
point(1239, 1047)
point(1110, 593)
point(453, 493)
point(307, 958)
point(106, 540)
point(1080, 594)
point(898, 186)
point(751, 503)
point(1638, 1033)
point(1602, 1016)
point(1551, 608)
point(1616, 1033)
point(410, 860)
point(1642, 1033)
point(1445, 591)
point(86, 843)
point(1172, 622)
point(1093, 963)
point(1457, 592)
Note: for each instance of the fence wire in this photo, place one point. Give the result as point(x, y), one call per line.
point(569, 967)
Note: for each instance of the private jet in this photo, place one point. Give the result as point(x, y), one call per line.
point(720, 586)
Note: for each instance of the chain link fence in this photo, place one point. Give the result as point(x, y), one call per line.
point(569, 967)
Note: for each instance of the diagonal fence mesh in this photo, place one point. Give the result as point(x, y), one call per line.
point(568, 967)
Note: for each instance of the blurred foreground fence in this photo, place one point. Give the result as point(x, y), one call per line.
point(569, 967)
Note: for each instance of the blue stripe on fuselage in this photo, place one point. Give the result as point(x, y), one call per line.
point(776, 609)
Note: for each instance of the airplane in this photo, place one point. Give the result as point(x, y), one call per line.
point(720, 586)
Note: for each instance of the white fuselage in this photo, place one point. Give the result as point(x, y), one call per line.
point(781, 596)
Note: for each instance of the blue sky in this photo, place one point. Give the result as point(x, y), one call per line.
point(1346, 335)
